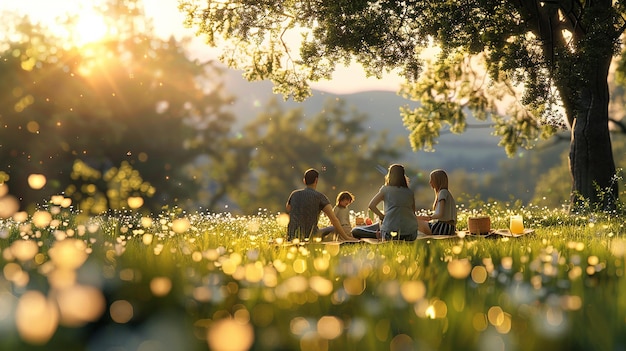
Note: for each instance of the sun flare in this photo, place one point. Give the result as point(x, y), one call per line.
point(89, 27)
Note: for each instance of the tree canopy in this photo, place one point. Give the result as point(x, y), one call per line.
point(531, 66)
point(109, 120)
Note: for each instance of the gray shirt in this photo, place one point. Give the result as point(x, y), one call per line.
point(399, 210)
point(343, 214)
point(306, 205)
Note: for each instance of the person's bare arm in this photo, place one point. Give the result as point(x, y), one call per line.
point(374, 203)
point(437, 214)
point(328, 210)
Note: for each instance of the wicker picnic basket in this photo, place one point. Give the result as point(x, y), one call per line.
point(479, 225)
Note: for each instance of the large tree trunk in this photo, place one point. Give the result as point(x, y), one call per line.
point(591, 156)
point(584, 91)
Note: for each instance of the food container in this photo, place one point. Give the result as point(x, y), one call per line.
point(359, 221)
point(479, 225)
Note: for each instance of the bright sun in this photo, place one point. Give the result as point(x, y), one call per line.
point(89, 28)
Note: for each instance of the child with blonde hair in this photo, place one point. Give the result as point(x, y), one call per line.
point(344, 199)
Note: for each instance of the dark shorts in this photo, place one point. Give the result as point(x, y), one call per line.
point(441, 228)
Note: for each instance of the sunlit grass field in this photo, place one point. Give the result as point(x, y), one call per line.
point(202, 281)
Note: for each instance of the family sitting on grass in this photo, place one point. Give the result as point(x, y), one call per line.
point(398, 220)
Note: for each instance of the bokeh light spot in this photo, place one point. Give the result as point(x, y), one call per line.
point(180, 225)
point(160, 286)
point(299, 266)
point(479, 274)
point(8, 206)
point(402, 342)
point(80, 305)
point(36, 318)
point(41, 219)
point(24, 250)
point(354, 285)
point(321, 286)
point(36, 181)
point(459, 268)
point(135, 202)
point(282, 219)
point(231, 335)
point(68, 254)
point(479, 322)
point(121, 311)
point(329, 327)
point(412, 291)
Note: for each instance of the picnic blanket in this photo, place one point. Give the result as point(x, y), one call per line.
point(494, 233)
point(460, 234)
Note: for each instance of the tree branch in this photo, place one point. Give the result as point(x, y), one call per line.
point(620, 124)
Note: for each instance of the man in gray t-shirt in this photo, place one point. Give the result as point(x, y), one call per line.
point(304, 207)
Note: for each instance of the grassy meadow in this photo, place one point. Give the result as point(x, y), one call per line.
point(202, 281)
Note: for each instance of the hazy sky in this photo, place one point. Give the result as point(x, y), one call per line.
point(167, 20)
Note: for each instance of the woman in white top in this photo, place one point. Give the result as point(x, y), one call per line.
point(443, 220)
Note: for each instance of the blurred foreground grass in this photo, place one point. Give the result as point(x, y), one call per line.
point(181, 281)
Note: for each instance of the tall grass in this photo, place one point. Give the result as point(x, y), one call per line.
point(199, 281)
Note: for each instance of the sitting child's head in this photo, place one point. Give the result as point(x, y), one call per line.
point(344, 199)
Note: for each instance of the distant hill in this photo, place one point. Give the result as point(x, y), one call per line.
point(476, 150)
